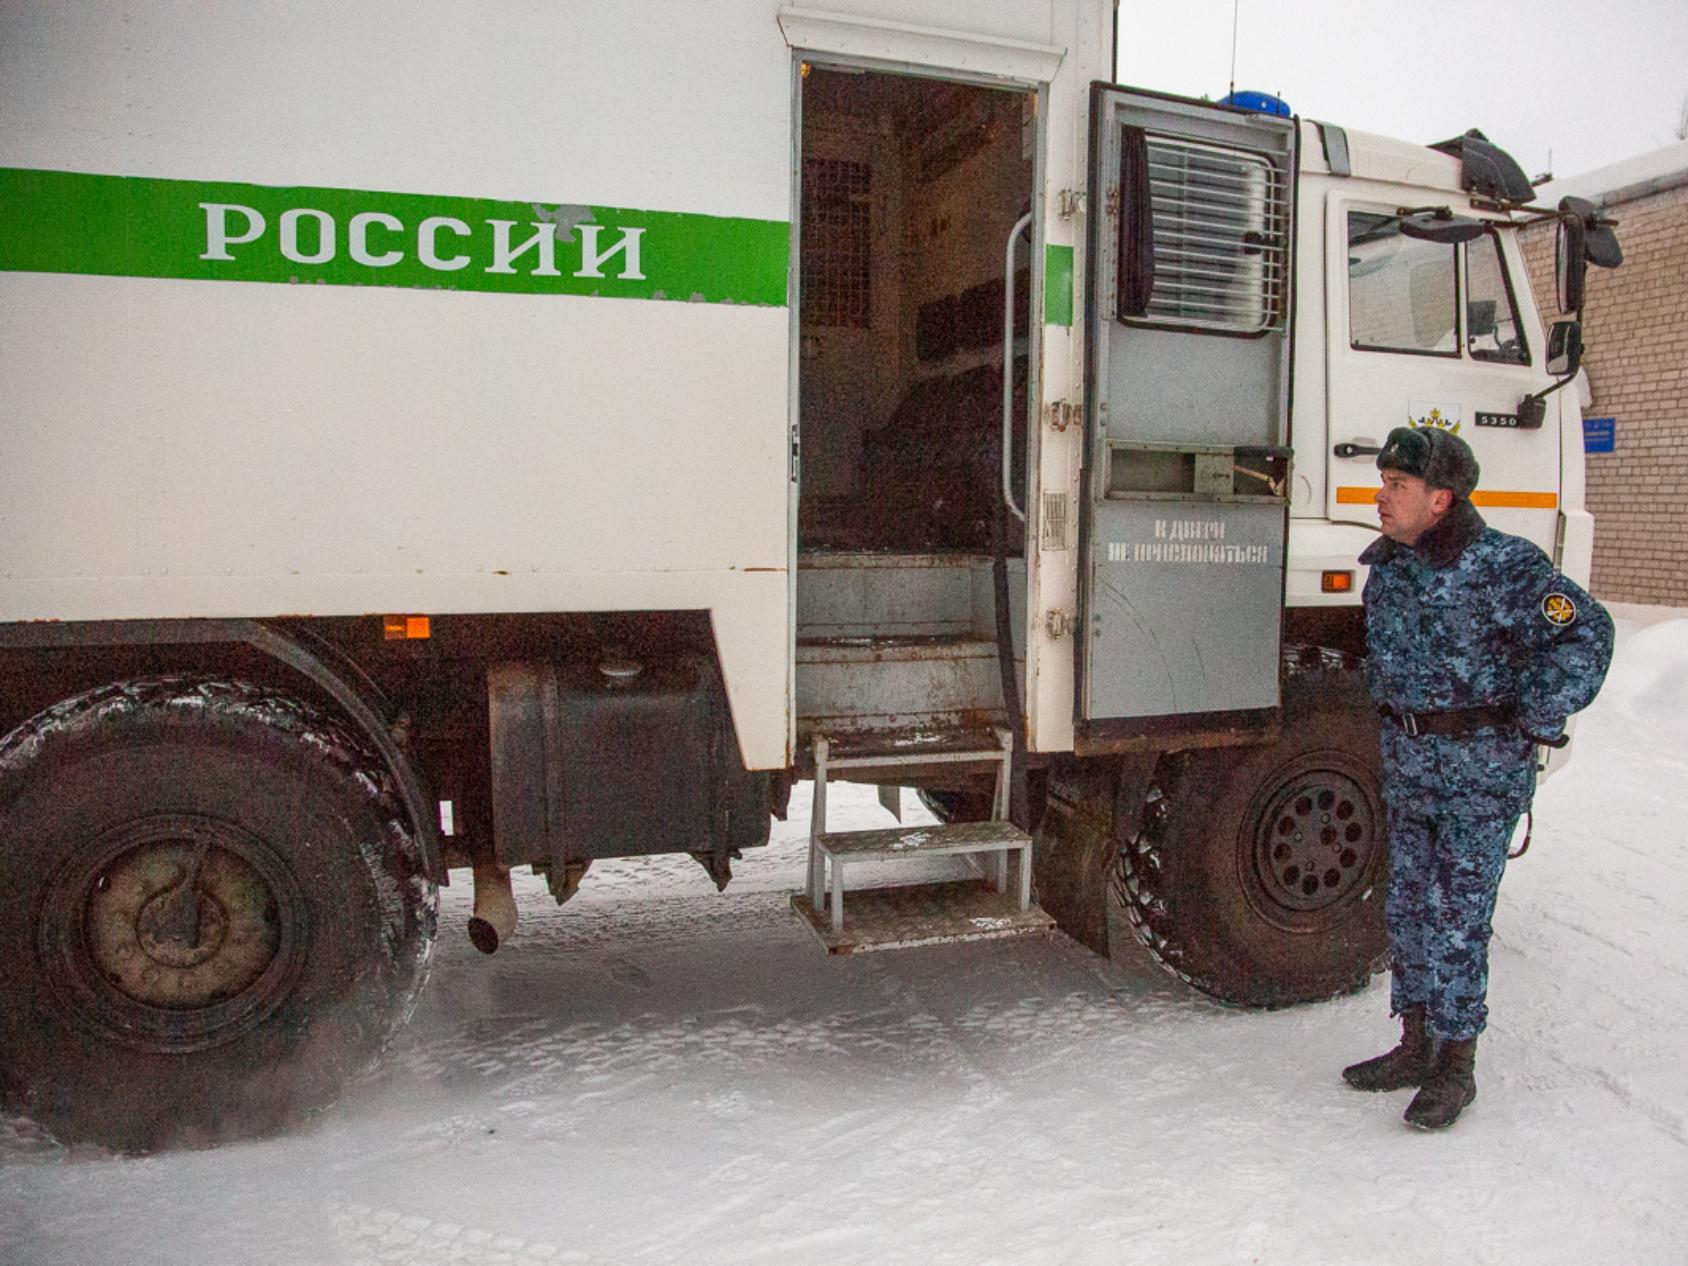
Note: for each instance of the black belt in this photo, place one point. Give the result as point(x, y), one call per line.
point(1453, 721)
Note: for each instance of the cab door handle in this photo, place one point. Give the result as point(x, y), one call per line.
point(1356, 450)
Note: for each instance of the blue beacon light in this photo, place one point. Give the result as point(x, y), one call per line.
point(1259, 102)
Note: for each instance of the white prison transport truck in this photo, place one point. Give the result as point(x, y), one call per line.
point(530, 434)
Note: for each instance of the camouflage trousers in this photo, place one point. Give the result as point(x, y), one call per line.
point(1444, 871)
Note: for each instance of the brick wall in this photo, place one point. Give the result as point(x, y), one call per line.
point(1635, 328)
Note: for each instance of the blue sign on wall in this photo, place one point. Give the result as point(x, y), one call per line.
point(1600, 435)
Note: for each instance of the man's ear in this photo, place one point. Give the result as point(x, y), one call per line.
point(1441, 500)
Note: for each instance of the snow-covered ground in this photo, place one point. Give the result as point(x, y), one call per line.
point(658, 1073)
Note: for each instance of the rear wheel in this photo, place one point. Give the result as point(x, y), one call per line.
point(215, 913)
point(1258, 874)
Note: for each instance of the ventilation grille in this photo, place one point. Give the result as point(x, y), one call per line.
point(1221, 226)
point(1057, 515)
point(837, 243)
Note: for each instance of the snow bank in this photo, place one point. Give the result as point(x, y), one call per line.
point(1648, 683)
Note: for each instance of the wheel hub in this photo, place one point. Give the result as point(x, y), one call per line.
point(173, 933)
point(135, 927)
point(161, 943)
point(1314, 840)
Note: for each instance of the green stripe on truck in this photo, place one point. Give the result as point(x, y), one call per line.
point(132, 226)
point(1057, 285)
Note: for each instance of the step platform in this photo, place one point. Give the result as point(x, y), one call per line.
point(922, 914)
point(905, 916)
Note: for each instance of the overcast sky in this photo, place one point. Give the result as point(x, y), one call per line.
point(1591, 82)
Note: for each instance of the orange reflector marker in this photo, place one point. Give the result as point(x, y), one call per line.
point(406, 628)
point(1337, 582)
point(1500, 499)
point(1516, 500)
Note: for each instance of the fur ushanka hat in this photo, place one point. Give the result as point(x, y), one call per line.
point(1440, 458)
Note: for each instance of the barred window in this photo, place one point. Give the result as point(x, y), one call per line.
point(837, 243)
point(1221, 235)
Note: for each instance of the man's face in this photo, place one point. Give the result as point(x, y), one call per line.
point(1409, 507)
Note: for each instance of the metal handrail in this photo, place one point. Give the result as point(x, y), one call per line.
point(1008, 370)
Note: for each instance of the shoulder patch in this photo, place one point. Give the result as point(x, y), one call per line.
point(1557, 608)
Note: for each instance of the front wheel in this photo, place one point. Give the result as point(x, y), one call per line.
point(214, 913)
point(1258, 873)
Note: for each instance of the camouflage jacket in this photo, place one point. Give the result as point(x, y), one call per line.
point(1471, 617)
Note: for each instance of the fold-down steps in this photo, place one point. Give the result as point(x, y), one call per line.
point(901, 917)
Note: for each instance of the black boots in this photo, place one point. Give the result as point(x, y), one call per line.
point(1451, 1084)
point(1407, 1065)
point(1444, 1071)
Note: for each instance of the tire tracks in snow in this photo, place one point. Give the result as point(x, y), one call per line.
point(387, 1237)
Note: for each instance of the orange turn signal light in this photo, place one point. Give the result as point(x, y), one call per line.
point(406, 628)
point(1336, 581)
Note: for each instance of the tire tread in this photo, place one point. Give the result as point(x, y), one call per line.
point(1152, 920)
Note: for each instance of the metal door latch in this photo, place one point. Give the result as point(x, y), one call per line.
point(1060, 414)
point(1058, 623)
point(1068, 203)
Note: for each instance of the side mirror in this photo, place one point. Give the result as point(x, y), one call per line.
point(1570, 264)
point(1564, 348)
point(1564, 357)
point(1600, 238)
point(1585, 237)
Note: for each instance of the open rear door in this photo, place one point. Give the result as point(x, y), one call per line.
point(1188, 353)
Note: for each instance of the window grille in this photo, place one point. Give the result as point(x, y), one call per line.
point(837, 243)
point(1221, 234)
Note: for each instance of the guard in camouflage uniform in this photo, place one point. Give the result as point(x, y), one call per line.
point(1477, 650)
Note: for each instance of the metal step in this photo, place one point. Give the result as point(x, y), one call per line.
point(922, 914)
point(888, 683)
point(900, 641)
point(892, 595)
point(878, 756)
point(924, 841)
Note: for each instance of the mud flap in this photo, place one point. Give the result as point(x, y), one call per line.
point(1077, 840)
